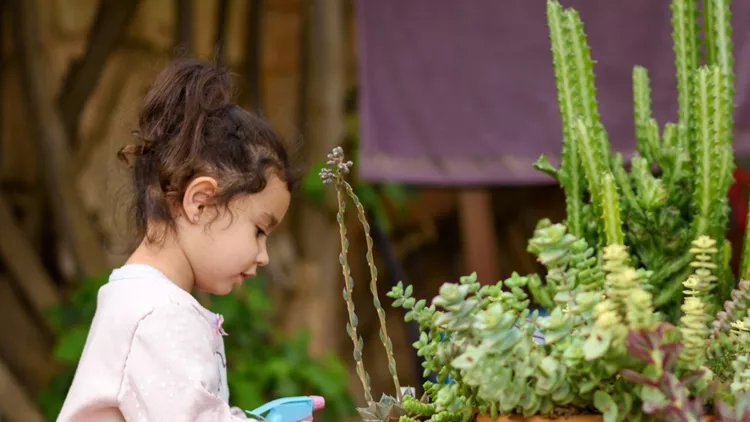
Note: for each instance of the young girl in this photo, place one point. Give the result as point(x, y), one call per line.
point(212, 181)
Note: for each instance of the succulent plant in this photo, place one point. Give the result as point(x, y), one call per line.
point(387, 407)
point(660, 211)
point(740, 412)
point(601, 339)
point(633, 275)
point(665, 396)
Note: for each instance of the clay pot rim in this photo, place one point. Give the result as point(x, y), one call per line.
point(520, 418)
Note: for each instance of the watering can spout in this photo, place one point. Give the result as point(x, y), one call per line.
point(289, 409)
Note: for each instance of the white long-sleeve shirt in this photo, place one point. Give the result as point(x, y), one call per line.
point(153, 353)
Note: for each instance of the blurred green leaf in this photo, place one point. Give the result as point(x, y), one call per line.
point(246, 394)
point(397, 193)
point(70, 345)
point(56, 318)
point(352, 125)
point(312, 187)
point(227, 306)
point(366, 194)
point(50, 400)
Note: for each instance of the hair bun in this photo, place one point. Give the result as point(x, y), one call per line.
point(186, 100)
point(209, 86)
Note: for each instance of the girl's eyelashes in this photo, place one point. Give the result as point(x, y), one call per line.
point(261, 232)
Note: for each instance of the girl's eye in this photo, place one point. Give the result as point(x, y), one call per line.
point(261, 232)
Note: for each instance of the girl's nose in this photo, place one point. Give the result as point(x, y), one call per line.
point(262, 258)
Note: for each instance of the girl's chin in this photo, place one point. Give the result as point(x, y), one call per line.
point(223, 289)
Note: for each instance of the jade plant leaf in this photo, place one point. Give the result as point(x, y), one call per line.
point(597, 344)
point(604, 403)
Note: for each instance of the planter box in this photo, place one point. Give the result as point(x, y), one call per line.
point(581, 418)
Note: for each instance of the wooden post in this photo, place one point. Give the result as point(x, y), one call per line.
point(221, 28)
point(15, 404)
point(70, 215)
point(325, 129)
point(253, 31)
point(107, 112)
point(21, 259)
point(478, 234)
point(23, 346)
point(183, 37)
point(111, 22)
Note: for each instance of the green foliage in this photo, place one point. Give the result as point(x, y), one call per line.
point(740, 412)
point(311, 187)
point(740, 335)
point(666, 397)
point(723, 345)
point(615, 269)
point(480, 342)
point(482, 337)
point(676, 189)
point(695, 319)
point(262, 363)
point(492, 353)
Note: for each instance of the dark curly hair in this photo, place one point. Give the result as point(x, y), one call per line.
point(188, 127)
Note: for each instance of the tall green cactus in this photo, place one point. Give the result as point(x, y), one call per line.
point(656, 214)
point(568, 97)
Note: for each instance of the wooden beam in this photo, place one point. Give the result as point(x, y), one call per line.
point(107, 113)
point(183, 37)
point(15, 404)
point(21, 259)
point(3, 8)
point(110, 24)
point(23, 346)
point(478, 234)
point(319, 237)
point(253, 31)
point(71, 219)
point(220, 36)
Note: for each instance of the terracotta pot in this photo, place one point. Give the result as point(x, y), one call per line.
point(580, 418)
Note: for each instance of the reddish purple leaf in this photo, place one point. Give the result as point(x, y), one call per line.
point(673, 414)
point(638, 347)
point(638, 378)
point(692, 377)
point(671, 353)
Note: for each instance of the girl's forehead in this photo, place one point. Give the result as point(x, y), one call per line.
point(271, 204)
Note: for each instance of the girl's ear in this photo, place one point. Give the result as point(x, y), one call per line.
point(198, 197)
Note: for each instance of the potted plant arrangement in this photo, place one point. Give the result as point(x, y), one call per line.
point(636, 275)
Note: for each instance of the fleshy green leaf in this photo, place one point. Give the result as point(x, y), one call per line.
point(604, 403)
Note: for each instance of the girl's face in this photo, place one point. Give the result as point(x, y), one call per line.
point(224, 246)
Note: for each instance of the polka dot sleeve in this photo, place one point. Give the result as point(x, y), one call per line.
point(171, 373)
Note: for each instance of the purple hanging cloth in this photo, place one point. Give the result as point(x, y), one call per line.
point(463, 92)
